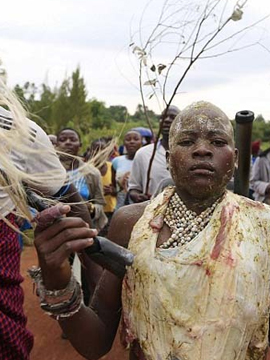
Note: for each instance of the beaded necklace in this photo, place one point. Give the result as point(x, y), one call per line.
point(184, 224)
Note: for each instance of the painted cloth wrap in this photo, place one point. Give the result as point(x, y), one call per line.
point(208, 299)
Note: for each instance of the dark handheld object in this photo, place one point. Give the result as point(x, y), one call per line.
point(104, 252)
point(244, 121)
point(110, 256)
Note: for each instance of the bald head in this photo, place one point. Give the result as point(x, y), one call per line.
point(202, 155)
point(201, 114)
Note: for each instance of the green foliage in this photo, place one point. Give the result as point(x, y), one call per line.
point(45, 110)
point(117, 130)
point(99, 115)
point(260, 118)
point(260, 131)
point(79, 110)
point(61, 106)
point(118, 113)
point(141, 116)
point(68, 106)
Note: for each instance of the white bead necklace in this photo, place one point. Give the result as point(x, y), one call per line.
point(184, 224)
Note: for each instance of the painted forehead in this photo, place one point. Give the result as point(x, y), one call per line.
point(201, 115)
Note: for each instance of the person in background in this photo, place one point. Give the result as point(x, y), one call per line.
point(147, 140)
point(260, 177)
point(114, 153)
point(255, 150)
point(88, 186)
point(24, 225)
point(53, 139)
point(159, 171)
point(109, 191)
point(121, 166)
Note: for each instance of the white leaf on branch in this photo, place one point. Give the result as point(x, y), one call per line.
point(237, 15)
point(151, 82)
point(160, 68)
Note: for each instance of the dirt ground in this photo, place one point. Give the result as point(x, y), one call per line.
point(47, 334)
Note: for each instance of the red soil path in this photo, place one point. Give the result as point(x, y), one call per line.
point(48, 342)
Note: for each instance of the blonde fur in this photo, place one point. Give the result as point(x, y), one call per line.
point(17, 139)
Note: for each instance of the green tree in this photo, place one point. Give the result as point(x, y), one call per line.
point(79, 109)
point(45, 108)
point(61, 106)
point(99, 114)
point(118, 113)
point(27, 94)
point(260, 118)
point(140, 115)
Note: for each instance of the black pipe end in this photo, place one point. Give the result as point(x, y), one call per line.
point(244, 117)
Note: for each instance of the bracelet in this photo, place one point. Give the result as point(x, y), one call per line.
point(61, 303)
point(65, 309)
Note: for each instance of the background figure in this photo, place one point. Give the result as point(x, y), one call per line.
point(53, 139)
point(260, 177)
point(121, 166)
point(24, 225)
point(109, 191)
point(114, 153)
point(147, 136)
point(159, 171)
point(89, 187)
point(255, 150)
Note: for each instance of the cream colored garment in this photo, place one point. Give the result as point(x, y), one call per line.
point(206, 300)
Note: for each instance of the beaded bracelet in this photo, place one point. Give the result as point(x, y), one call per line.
point(61, 303)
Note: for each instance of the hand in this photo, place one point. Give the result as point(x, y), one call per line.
point(267, 190)
point(139, 197)
point(108, 189)
point(143, 197)
point(56, 240)
point(123, 182)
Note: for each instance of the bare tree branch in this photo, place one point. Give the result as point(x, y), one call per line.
point(195, 28)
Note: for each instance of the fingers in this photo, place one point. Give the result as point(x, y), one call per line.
point(60, 239)
point(56, 258)
point(64, 227)
point(66, 236)
point(46, 217)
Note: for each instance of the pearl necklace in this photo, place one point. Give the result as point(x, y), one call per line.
point(184, 224)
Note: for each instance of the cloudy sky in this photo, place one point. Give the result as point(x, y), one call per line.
point(45, 40)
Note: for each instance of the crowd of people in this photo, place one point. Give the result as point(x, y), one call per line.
point(198, 286)
point(117, 180)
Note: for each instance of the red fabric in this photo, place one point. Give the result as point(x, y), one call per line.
point(255, 147)
point(15, 341)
